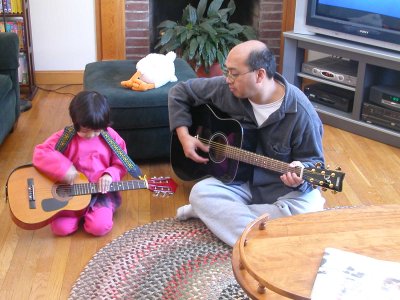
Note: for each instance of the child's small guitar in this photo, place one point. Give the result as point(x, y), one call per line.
point(35, 200)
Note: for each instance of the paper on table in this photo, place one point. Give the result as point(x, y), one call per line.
point(345, 275)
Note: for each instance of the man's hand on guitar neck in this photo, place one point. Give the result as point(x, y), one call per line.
point(291, 179)
point(190, 144)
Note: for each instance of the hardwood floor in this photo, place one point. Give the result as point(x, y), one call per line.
point(37, 265)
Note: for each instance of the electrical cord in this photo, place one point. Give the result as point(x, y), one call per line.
point(57, 90)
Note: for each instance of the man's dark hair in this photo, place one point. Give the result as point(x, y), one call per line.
point(262, 59)
point(90, 110)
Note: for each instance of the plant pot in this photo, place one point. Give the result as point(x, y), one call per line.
point(215, 70)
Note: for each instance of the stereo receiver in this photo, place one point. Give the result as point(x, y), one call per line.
point(381, 116)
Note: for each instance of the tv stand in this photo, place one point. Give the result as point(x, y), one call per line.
point(375, 66)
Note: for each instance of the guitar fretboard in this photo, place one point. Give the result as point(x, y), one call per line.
point(92, 188)
point(251, 158)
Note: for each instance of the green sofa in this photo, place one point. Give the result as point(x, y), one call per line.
point(141, 118)
point(9, 86)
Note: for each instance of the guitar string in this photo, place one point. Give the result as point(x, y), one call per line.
point(240, 154)
point(247, 156)
point(91, 187)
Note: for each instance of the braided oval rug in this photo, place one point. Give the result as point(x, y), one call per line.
point(166, 259)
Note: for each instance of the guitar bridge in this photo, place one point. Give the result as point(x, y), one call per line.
point(31, 193)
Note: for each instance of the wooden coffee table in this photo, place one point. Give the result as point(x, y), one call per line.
point(280, 258)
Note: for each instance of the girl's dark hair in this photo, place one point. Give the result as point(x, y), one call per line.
point(91, 110)
point(262, 59)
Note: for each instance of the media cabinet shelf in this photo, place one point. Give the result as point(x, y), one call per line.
point(375, 66)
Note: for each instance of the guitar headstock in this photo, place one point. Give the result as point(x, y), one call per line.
point(162, 186)
point(325, 178)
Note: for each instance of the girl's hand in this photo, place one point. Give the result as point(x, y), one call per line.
point(69, 177)
point(104, 183)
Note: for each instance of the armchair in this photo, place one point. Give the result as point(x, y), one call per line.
point(9, 85)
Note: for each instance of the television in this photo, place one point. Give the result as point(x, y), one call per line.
point(375, 22)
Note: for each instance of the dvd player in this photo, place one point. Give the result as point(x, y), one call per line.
point(386, 96)
point(333, 69)
point(331, 96)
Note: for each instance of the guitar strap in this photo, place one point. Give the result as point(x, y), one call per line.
point(130, 166)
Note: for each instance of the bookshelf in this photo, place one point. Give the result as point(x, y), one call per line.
point(15, 17)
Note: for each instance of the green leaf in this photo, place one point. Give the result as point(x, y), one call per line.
point(192, 48)
point(221, 58)
point(224, 13)
point(232, 6)
point(192, 15)
point(185, 15)
point(208, 28)
point(249, 33)
point(235, 28)
point(183, 37)
point(167, 24)
point(201, 40)
point(201, 8)
point(222, 30)
point(180, 29)
point(166, 37)
point(214, 7)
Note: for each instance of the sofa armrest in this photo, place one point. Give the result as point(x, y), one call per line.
point(9, 49)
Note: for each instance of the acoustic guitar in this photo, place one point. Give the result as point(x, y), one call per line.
point(35, 200)
point(228, 161)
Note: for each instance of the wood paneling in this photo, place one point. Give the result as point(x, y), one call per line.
point(288, 13)
point(110, 29)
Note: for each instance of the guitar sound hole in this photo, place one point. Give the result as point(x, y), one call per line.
point(63, 191)
point(218, 143)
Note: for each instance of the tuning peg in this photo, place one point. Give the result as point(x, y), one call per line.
point(327, 167)
point(318, 165)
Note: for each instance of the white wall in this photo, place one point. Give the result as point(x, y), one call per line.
point(63, 34)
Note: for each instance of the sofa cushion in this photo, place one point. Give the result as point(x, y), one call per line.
point(5, 85)
point(8, 101)
point(132, 109)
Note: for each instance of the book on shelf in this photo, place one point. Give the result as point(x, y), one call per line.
point(345, 275)
point(15, 25)
point(11, 6)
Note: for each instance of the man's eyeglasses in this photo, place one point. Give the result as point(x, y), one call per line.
point(232, 77)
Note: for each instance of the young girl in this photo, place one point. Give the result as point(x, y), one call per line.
point(88, 153)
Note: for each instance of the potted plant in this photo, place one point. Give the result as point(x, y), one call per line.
point(204, 35)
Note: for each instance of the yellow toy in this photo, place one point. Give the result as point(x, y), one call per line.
point(152, 71)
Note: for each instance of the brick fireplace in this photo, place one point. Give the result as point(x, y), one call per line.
point(141, 21)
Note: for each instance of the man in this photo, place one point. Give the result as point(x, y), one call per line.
point(288, 130)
